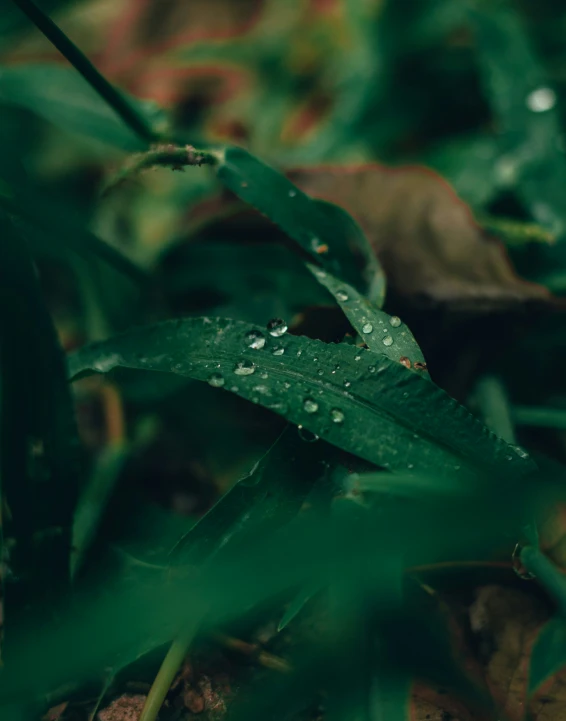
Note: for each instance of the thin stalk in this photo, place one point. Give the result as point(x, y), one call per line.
point(166, 674)
point(165, 155)
point(540, 417)
point(105, 89)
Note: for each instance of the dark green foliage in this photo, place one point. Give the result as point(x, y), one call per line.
point(263, 454)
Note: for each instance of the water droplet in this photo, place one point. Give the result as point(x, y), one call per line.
point(347, 384)
point(244, 368)
point(263, 375)
point(388, 340)
point(307, 436)
point(310, 405)
point(337, 415)
point(216, 380)
point(278, 350)
point(371, 369)
point(520, 451)
point(315, 360)
point(287, 385)
point(177, 367)
point(278, 407)
point(395, 321)
point(255, 340)
point(320, 372)
point(234, 389)
point(277, 327)
point(367, 328)
point(318, 246)
point(541, 100)
point(403, 360)
point(264, 390)
point(299, 352)
point(342, 296)
point(358, 357)
point(292, 193)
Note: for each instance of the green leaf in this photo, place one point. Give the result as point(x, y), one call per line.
point(381, 332)
point(93, 501)
point(38, 444)
point(363, 403)
point(54, 228)
point(267, 497)
point(549, 653)
point(324, 231)
point(296, 606)
point(61, 96)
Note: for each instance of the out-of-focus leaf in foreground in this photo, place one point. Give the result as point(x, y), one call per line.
point(361, 402)
point(38, 441)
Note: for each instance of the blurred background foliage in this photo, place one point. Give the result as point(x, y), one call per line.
point(472, 89)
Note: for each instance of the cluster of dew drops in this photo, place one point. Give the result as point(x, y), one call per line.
point(256, 340)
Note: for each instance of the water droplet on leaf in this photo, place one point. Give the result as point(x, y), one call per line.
point(395, 321)
point(255, 340)
point(292, 193)
point(310, 405)
point(347, 384)
point(244, 368)
point(278, 350)
point(307, 436)
point(337, 415)
point(216, 380)
point(388, 340)
point(367, 328)
point(342, 296)
point(277, 327)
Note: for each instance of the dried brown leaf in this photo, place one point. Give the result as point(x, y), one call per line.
point(124, 708)
point(507, 622)
point(424, 235)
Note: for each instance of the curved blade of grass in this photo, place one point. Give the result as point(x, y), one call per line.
point(366, 405)
point(324, 231)
point(381, 332)
point(38, 446)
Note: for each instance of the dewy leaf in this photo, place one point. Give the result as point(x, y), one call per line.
point(382, 333)
point(366, 405)
point(325, 232)
point(38, 460)
point(63, 97)
point(424, 236)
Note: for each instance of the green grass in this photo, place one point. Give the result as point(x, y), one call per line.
point(237, 434)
